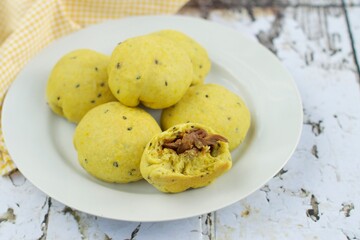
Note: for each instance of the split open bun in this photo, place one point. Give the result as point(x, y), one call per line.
point(185, 156)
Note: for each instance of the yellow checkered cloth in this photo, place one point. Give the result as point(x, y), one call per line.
point(27, 26)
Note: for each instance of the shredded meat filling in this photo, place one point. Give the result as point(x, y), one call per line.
point(193, 139)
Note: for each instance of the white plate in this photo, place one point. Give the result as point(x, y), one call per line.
point(41, 142)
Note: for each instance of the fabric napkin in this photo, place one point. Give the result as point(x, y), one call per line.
point(27, 26)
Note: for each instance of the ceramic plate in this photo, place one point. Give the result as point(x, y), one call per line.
point(41, 142)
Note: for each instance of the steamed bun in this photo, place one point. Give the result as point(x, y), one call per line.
point(110, 140)
point(78, 83)
point(212, 105)
point(185, 156)
point(151, 70)
point(198, 55)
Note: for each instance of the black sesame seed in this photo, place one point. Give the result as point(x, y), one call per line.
point(96, 69)
point(156, 61)
point(166, 83)
point(173, 180)
point(138, 77)
point(206, 96)
point(85, 160)
point(92, 101)
point(187, 121)
point(99, 95)
point(200, 66)
point(106, 110)
point(115, 164)
point(102, 84)
point(119, 43)
point(118, 91)
point(74, 57)
point(58, 98)
point(118, 65)
point(150, 144)
point(192, 126)
point(129, 128)
point(124, 117)
point(77, 85)
point(229, 118)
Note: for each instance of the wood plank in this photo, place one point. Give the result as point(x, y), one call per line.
point(354, 31)
point(352, 2)
point(227, 4)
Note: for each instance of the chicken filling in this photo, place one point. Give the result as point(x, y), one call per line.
point(194, 139)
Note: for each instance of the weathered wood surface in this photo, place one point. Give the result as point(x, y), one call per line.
point(354, 22)
point(316, 193)
point(315, 196)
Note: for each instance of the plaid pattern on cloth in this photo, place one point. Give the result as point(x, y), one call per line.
point(27, 26)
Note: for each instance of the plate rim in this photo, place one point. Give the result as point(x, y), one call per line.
point(6, 107)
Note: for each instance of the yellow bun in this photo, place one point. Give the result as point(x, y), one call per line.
point(198, 55)
point(78, 83)
point(110, 140)
point(173, 169)
point(213, 106)
point(151, 70)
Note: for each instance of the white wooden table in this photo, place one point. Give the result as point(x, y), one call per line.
point(315, 196)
